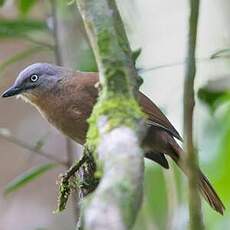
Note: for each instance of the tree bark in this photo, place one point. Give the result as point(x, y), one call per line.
point(191, 161)
point(115, 131)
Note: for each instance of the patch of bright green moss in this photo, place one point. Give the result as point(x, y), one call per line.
point(118, 110)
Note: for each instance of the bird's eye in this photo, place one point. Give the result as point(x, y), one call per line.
point(34, 77)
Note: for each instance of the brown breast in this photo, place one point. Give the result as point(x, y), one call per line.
point(69, 105)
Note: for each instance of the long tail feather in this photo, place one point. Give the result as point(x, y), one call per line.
point(210, 194)
point(205, 186)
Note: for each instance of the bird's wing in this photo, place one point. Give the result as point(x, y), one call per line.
point(156, 117)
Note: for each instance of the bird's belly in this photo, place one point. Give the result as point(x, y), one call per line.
point(75, 128)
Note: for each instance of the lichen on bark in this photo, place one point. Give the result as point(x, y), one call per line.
point(119, 110)
point(115, 123)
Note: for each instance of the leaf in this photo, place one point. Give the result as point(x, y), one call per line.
point(20, 56)
point(223, 53)
point(2, 2)
point(135, 55)
point(209, 97)
point(20, 27)
point(215, 92)
point(24, 6)
point(27, 177)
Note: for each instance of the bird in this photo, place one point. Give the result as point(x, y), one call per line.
point(66, 98)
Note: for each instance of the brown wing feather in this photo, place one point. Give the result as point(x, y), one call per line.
point(156, 117)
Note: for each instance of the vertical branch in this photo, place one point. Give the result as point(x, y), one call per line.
point(196, 222)
point(58, 58)
point(70, 161)
point(115, 132)
point(66, 26)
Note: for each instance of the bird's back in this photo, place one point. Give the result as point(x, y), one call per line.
point(69, 105)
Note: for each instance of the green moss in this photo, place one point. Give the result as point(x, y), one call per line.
point(119, 110)
point(116, 102)
point(103, 41)
point(117, 80)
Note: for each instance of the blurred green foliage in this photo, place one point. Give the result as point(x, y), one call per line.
point(216, 96)
point(26, 177)
point(25, 6)
point(213, 98)
point(215, 93)
point(2, 2)
point(20, 27)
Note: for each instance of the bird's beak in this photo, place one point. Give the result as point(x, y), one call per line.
point(12, 91)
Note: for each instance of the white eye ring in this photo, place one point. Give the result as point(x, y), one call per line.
point(34, 77)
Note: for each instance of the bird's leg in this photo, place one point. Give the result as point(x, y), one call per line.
point(88, 175)
point(67, 182)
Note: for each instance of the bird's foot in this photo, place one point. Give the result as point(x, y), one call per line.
point(67, 182)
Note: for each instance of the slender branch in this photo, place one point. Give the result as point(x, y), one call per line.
point(8, 137)
point(40, 43)
point(69, 151)
point(114, 135)
point(70, 161)
point(55, 32)
point(173, 64)
point(196, 222)
point(66, 26)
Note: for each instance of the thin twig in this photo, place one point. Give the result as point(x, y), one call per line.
point(32, 40)
point(59, 61)
point(173, 64)
point(70, 163)
point(16, 141)
point(196, 222)
point(58, 56)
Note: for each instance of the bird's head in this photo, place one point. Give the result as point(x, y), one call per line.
point(36, 80)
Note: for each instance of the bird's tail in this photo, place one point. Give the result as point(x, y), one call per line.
point(210, 194)
point(205, 186)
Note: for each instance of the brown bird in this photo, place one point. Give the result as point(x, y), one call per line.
point(66, 98)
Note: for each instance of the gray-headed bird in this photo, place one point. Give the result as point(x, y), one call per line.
point(66, 99)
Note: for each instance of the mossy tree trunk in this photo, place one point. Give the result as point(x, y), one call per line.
point(115, 131)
